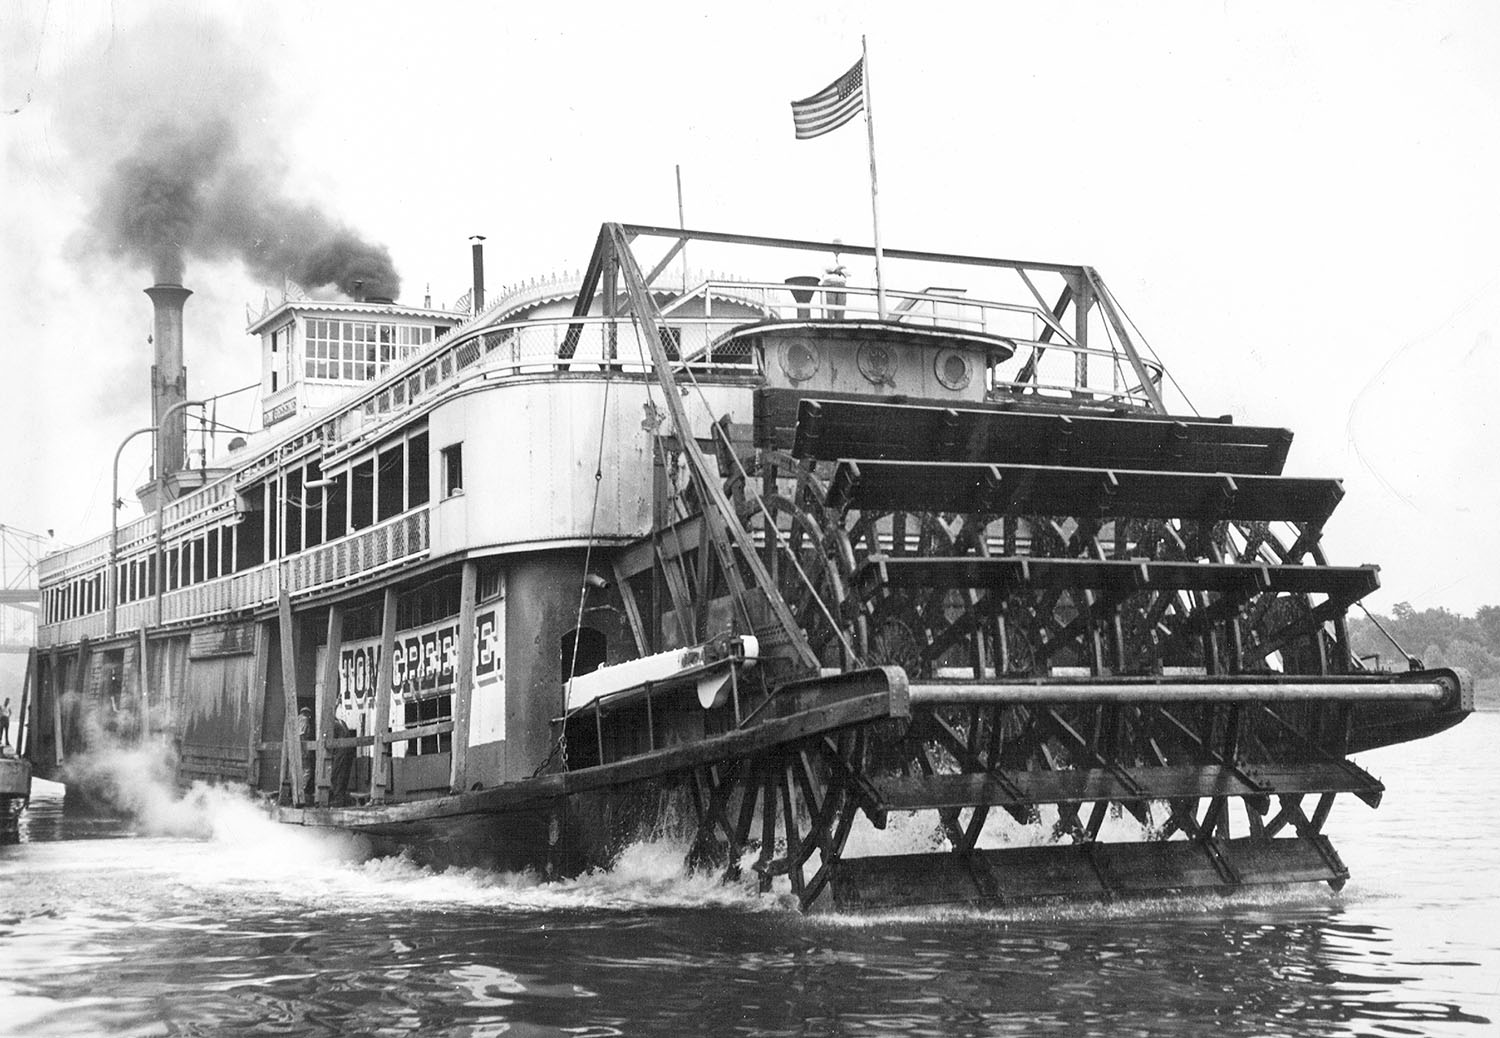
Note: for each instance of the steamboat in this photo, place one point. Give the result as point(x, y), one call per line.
point(763, 563)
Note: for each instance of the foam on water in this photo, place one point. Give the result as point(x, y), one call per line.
point(218, 837)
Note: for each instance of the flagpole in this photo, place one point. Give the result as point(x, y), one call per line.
point(874, 184)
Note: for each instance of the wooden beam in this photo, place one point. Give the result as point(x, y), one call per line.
point(291, 752)
point(23, 718)
point(722, 524)
point(54, 686)
point(385, 686)
point(666, 260)
point(463, 688)
point(1107, 304)
point(632, 611)
point(327, 701)
point(257, 706)
point(143, 666)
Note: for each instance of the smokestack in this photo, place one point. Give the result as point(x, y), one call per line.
point(478, 240)
point(168, 376)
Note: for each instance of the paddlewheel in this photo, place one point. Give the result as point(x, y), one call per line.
point(1109, 624)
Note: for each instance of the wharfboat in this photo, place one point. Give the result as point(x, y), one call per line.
point(758, 563)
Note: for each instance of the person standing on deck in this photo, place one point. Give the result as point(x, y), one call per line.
point(309, 757)
point(5, 723)
point(343, 764)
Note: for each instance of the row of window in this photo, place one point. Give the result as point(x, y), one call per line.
point(356, 350)
point(281, 515)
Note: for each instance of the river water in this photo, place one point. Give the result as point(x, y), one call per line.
point(204, 919)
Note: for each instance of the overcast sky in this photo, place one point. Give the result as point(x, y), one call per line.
point(1296, 203)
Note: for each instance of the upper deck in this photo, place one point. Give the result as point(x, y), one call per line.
point(381, 481)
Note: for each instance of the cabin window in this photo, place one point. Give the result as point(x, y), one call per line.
point(293, 511)
point(226, 549)
point(387, 335)
point(453, 469)
point(250, 546)
point(583, 651)
point(343, 350)
point(429, 603)
point(312, 499)
point(390, 482)
point(336, 507)
point(430, 711)
point(172, 569)
point(416, 470)
point(272, 507)
point(211, 554)
point(362, 495)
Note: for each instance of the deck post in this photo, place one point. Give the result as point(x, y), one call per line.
point(463, 685)
point(54, 667)
point(385, 687)
point(328, 700)
point(261, 667)
point(291, 746)
point(144, 682)
point(23, 727)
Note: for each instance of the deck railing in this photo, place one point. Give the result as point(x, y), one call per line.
point(359, 556)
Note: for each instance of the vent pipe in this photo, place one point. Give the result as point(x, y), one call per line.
point(168, 377)
point(478, 240)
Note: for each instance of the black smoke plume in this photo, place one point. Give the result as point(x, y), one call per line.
point(193, 192)
point(186, 132)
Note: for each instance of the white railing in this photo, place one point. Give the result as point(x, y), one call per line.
point(361, 555)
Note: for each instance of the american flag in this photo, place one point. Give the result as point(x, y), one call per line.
point(832, 106)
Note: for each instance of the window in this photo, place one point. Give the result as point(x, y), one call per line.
point(312, 497)
point(453, 470)
point(362, 495)
point(336, 505)
point(416, 470)
point(390, 482)
point(273, 511)
point(430, 711)
point(354, 351)
point(293, 521)
point(342, 350)
point(251, 534)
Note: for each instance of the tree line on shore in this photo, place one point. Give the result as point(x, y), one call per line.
point(1438, 637)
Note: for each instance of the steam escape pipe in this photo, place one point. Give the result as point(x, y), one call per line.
point(112, 579)
point(161, 507)
point(478, 251)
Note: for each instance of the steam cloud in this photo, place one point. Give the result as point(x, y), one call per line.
point(192, 169)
